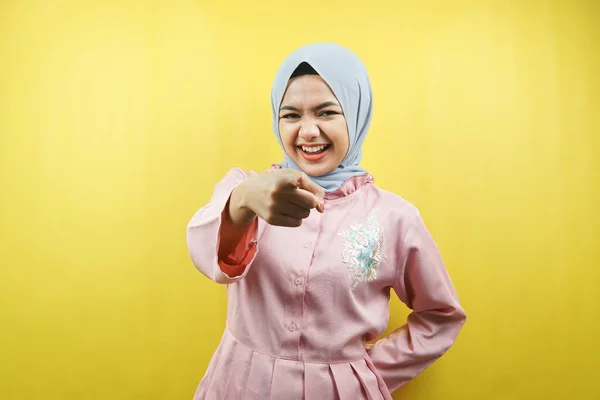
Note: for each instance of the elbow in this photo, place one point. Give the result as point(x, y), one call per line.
point(459, 318)
point(462, 315)
point(451, 325)
point(455, 325)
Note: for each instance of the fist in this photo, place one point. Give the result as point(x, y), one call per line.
point(283, 197)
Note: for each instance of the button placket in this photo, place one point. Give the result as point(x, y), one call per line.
point(305, 244)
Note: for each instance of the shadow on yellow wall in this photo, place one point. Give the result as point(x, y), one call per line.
point(117, 118)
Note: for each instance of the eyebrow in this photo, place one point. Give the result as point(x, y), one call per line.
point(316, 108)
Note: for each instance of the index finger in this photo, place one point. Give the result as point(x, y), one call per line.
point(304, 182)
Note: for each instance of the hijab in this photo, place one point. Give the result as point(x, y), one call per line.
point(347, 77)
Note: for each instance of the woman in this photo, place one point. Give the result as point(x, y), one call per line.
point(310, 249)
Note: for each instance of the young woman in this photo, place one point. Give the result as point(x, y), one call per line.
point(310, 250)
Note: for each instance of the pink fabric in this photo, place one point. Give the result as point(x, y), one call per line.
point(296, 326)
point(234, 263)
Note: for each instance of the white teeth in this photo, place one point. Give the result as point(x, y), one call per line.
point(312, 149)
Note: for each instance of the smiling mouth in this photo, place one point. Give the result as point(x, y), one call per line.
point(314, 153)
point(314, 150)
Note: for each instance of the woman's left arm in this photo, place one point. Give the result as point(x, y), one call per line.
point(423, 284)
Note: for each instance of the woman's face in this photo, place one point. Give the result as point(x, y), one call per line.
point(312, 125)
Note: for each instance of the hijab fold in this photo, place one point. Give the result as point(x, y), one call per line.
point(347, 77)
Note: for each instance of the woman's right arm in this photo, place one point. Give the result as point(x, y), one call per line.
point(221, 236)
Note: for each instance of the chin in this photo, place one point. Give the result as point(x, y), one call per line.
point(315, 170)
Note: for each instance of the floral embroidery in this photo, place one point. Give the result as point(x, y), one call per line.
point(363, 249)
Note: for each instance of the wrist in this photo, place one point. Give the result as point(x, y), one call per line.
point(239, 210)
point(239, 197)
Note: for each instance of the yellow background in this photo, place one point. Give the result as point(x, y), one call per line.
point(117, 117)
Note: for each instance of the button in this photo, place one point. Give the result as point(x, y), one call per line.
point(298, 281)
point(307, 244)
point(292, 327)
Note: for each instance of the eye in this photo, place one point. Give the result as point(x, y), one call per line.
point(289, 116)
point(328, 113)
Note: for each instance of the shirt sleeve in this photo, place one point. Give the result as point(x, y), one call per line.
point(204, 232)
point(423, 284)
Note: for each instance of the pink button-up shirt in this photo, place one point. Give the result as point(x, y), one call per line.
point(302, 302)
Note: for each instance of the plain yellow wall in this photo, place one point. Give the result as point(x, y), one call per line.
point(117, 117)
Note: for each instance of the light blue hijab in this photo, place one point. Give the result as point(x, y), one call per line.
point(347, 77)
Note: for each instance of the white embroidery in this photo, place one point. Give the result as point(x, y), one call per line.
point(363, 249)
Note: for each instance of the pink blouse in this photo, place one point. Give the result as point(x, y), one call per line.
point(303, 302)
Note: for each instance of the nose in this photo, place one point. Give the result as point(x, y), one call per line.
point(309, 130)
